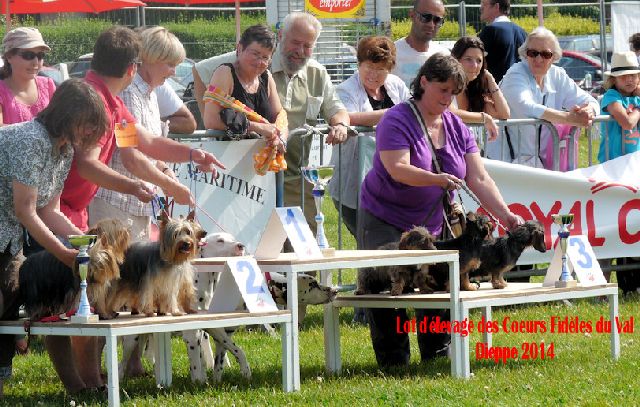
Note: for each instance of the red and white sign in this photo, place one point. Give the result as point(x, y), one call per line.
point(604, 199)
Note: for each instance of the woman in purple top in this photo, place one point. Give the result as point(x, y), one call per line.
point(402, 190)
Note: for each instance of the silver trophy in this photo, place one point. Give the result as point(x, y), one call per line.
point(319, 176)
point(83, 243)
point(563, 234)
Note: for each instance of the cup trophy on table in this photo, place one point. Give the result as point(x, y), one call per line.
point(319, 176)
point(563, 234)
point(83, 243)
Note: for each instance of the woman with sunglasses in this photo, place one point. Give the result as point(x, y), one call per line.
point(248, 80)
point(23, 94)
point(481, 101)
point(535, 88)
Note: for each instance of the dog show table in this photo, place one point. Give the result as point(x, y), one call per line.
point(161, 327)
point(289, 264)
point(485, 298)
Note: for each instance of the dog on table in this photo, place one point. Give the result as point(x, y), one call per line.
point(159, 275)
point(399, 279)
point(49, 288)
point(502, 254)
point(198, 346)
point(469, 245)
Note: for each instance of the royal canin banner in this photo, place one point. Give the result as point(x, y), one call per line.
point(335, 8)
point(604, 200)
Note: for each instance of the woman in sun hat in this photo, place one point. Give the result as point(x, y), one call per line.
point(622, 102)
point(23, 94)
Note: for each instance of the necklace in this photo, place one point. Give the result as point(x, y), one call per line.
point(250, 86)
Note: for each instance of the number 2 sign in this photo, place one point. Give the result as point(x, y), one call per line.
point(242, 279)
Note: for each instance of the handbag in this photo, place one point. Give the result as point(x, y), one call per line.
point(453, 213)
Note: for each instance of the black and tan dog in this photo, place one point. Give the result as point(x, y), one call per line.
point(49, 288)
point(399, 279)
point(502, 254)
point(159, 275)
point(469, 245)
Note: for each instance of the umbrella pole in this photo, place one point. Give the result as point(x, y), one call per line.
point(237, 21)
point(7, 16)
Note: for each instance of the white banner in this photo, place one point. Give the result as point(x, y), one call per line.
point(625, 21)
point(238, 199)
point(603, 198)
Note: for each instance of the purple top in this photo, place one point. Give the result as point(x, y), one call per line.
point(405, 206)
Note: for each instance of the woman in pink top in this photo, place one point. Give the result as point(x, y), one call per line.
point(23, 94)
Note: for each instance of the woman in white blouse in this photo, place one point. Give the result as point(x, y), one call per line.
point(367, 95)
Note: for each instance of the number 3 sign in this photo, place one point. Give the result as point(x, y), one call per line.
point(242, 279)
point(581, 260)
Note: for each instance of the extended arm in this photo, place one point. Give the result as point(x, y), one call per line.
point(24, 203)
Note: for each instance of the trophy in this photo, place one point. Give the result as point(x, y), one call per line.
point(563, 234)
point(319, 176)
point(83, 243)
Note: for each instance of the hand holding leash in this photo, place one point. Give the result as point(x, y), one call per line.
point(142, 192)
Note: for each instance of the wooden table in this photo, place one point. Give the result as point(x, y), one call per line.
point(290, 265)
point(161, 327)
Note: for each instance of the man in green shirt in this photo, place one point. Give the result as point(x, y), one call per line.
point(305, 91)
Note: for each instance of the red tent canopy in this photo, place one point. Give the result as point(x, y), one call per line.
point(66, 6)
point(194, 2)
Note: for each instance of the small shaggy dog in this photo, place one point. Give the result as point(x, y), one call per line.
point(399, 279)
point(502, 254)
point(50, 288)
point(159, 275)
point(469, 245)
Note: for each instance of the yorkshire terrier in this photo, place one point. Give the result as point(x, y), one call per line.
point(399, 279)
point(49, 288)
point(159, 275)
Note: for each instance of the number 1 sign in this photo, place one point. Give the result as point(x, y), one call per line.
point(581, 260)
point(287, 222)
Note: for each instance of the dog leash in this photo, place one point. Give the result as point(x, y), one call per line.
point(466, 189)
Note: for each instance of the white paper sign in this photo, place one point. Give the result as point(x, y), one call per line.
point(237, 199)
point(242, 279)
point(288, 222)
point(581, 260)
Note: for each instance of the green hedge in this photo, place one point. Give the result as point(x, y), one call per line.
point(70, 38)
point(560, 24)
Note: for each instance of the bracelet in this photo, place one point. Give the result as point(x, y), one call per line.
point(484, 117)
point(164, 170)
point(341, 124)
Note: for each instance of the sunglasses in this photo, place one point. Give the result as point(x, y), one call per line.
point(532, 53)
point(428, 17)
point(30, 55)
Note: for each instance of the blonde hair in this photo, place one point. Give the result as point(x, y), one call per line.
point(159, 45)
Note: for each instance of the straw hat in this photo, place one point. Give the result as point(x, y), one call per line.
point(23, 37)
point(623, 63)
